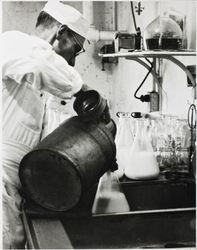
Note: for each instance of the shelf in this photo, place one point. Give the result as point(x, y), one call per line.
point(168, 55)
point(150, 54)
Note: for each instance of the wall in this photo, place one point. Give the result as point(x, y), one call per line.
point(119, 82)
point(128, 75)
point(89, 63)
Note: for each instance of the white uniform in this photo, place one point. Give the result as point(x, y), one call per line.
point(35, 80)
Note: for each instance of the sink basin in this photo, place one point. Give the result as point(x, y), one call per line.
point(144, 229)
point(163, 215)
point(161, 193)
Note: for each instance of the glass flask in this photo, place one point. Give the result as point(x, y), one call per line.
point(179, 138)
point(170, 157)
point(124, 140)
point(163, 33)
point(142, 159)
point(109, 197)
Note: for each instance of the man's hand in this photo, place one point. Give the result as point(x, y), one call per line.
point(106, 117)
point(83, 89)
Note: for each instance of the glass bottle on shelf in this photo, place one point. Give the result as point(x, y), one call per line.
point(142, 161)
point(163, 33)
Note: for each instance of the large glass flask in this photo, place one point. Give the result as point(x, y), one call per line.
point(142, 162)
point(109, 197)
point(124, 141)
point(163, 33)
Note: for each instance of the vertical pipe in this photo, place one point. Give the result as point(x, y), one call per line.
point(155, 69)
point(160, 79)
point(115, 15)
point(88, 11)
point(94, 34)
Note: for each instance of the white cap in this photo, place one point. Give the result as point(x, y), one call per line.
point(67, 15)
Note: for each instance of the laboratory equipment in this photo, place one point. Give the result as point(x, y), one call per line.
point(192, 125)
point(124, 140)
point(109, 197)
point(163, 33)
point(142, 160)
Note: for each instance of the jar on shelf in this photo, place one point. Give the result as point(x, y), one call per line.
point(163, 33)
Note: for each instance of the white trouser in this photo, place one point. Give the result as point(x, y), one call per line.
point(13, 231)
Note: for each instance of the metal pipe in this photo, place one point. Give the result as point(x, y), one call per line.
point(95, 34)
point(88, 11)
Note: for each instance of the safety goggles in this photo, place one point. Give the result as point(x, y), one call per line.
point(82, 50)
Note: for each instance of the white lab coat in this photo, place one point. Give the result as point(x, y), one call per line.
point(34, 81)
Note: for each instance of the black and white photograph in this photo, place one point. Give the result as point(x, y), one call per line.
point(98, 124)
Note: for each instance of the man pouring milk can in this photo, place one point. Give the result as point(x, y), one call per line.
point(37, 75)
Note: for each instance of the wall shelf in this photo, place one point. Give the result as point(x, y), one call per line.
point(169, 55)
point(151, 54)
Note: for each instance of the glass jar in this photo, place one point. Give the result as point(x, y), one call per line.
point(163, 33)
point(124, 140)
point(142, 160)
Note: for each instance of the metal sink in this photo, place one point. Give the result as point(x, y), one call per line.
point(162, 215)
point(161, 193)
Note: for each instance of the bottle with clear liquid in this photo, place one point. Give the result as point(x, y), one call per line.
point(142, 160)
